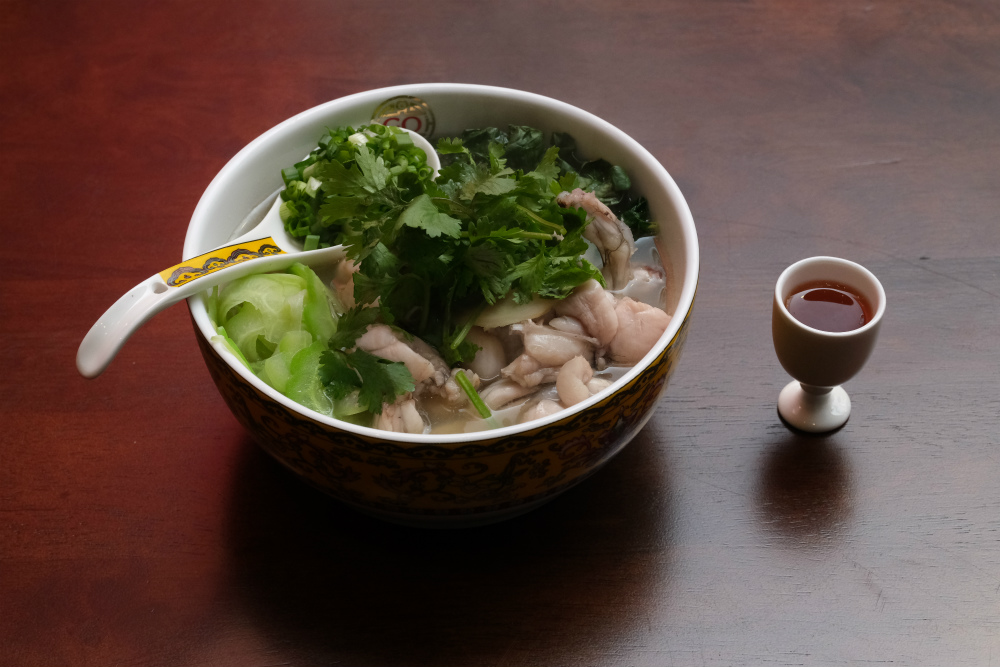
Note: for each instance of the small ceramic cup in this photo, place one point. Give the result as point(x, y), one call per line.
point(821, 361)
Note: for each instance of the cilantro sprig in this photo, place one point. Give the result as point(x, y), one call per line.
point(377, 381)
point(432, 254)
point(345, 369)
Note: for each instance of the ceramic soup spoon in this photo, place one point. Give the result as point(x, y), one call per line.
point(266, 247)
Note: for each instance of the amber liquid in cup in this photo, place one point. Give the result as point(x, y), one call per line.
point(829, 306)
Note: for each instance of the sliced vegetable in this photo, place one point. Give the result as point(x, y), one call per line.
point(223, 337)
point(277, 368)
point(304, 385)
point(319, 305)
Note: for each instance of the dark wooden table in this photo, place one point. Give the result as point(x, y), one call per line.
point(139, 525)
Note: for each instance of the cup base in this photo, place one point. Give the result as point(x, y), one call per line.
point(813, 409)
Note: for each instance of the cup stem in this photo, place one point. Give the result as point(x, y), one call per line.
point(814, 409)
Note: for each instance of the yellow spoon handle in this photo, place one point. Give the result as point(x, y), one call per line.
point(218, 259)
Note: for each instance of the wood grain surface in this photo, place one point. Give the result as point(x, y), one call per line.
point(139, 525)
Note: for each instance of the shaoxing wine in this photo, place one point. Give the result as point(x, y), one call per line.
point(828, 306)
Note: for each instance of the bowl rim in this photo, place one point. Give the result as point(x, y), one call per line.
point(276, 134)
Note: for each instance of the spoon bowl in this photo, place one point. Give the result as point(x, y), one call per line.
point(267, 246)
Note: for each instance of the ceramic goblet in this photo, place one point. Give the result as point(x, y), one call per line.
point(821, 361)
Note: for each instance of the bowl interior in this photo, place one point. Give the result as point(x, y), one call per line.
point(254, 174)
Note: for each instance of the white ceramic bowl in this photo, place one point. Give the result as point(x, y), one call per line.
point(446, 479)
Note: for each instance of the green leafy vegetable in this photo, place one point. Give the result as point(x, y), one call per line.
point(346, 371)
point(304, 385)
point(488, 226)
point(277, 324)
point(423, 214)
point(610, 183)
point(376, 380)
point(432, 254)
point(319, 304)
point(522, 146)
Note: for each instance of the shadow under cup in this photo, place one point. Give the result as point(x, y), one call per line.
point(820, 360)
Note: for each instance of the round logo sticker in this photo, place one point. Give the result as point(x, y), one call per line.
point(408, 112)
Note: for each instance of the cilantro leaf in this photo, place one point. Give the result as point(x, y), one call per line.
point(351, 325)
point(340, 379)
point(492, 265)
point(482, 181)
point(337, 208)
point(377, 381)
point(529, 276)
point(497, 162)
point(380, 261)
point(344, 370)
point(340, 180)
point(373, 168)
point(423, 214)
point(548, 168)
point(453, 147)
point(382, 380)
point(567, 183)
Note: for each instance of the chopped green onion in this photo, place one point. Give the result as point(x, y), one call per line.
point(287, 211)
point(403, 140)
point(477, 402)
point(311, 242)
point(314, 185)
point(305, 163)
point(310, 170)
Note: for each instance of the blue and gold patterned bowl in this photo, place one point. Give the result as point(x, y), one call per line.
point(446, 480)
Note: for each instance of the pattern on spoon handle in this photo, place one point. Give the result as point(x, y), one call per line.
point(218, 259)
